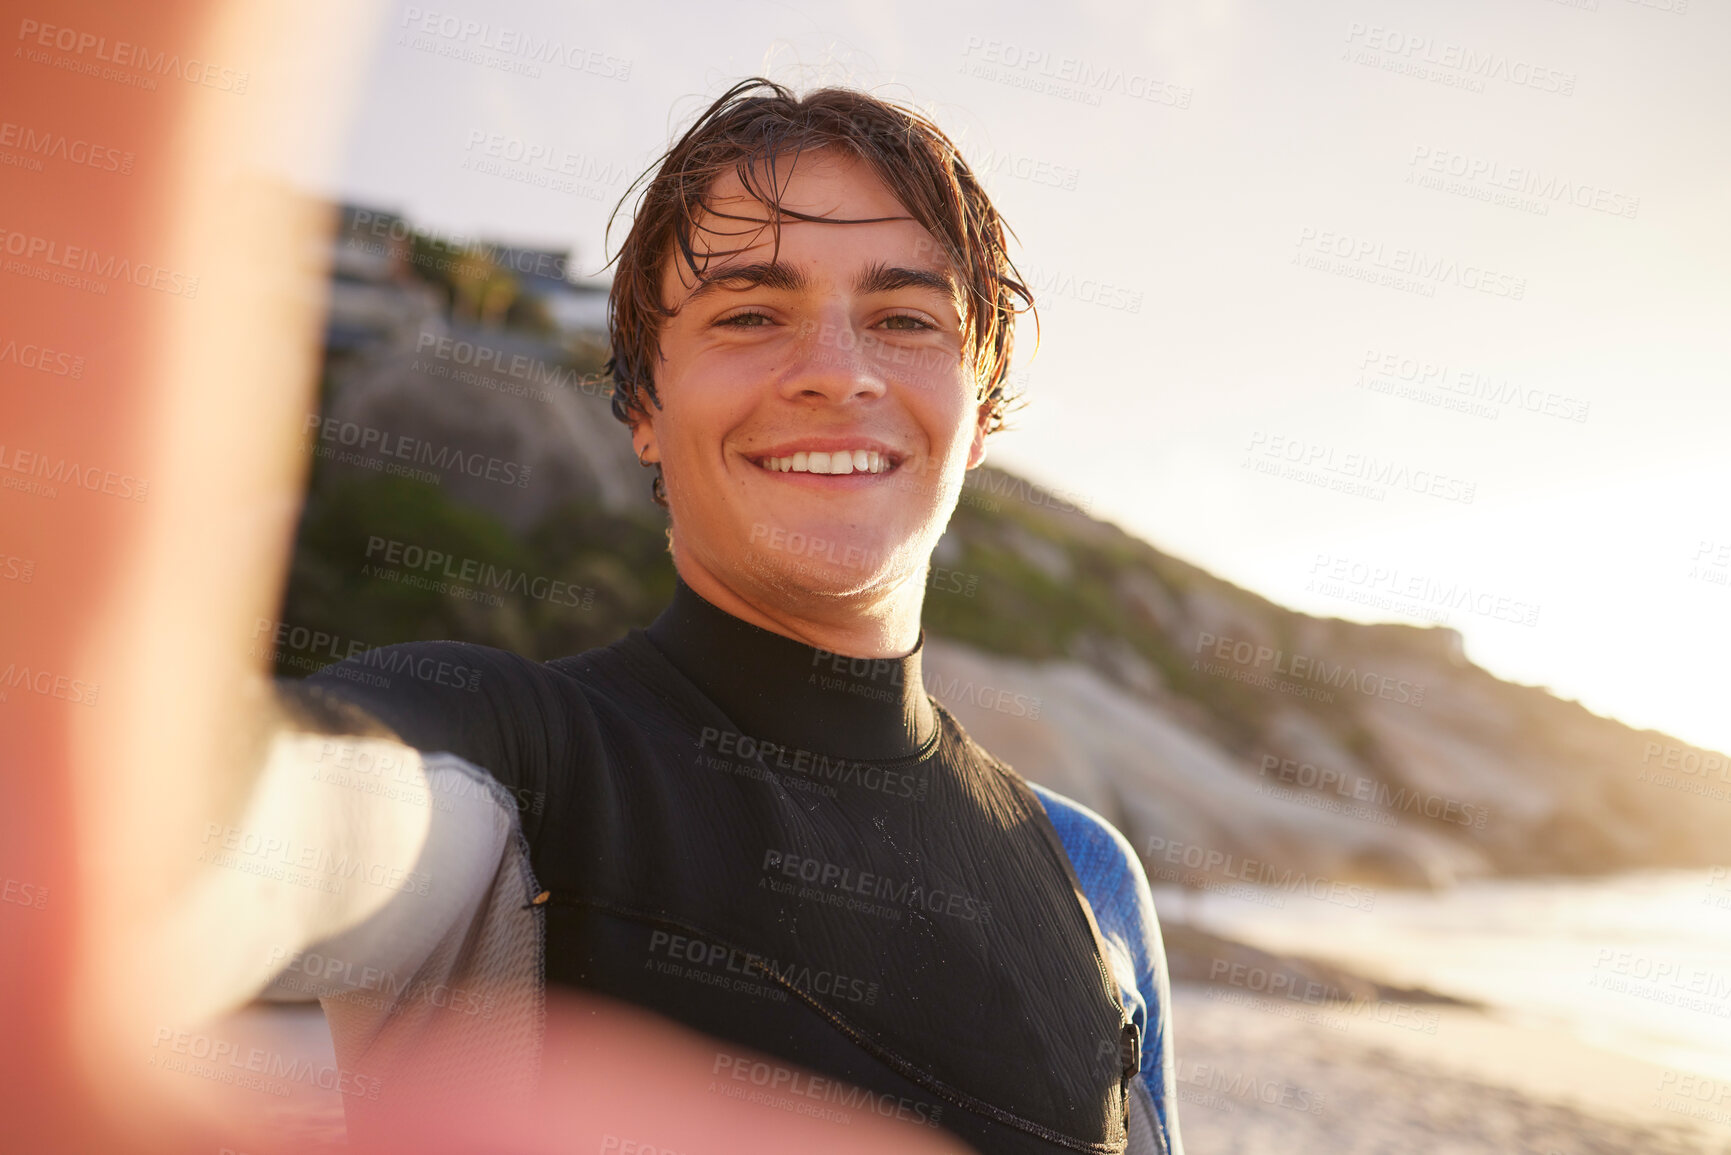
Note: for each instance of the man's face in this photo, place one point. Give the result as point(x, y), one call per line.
point(818, 412)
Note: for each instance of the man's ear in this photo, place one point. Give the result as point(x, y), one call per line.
point(982, 422)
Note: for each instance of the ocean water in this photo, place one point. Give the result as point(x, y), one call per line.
point(1638, 963)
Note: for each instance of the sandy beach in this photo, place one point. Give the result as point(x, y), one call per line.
point(1259, 1076)
point(1264, 1076)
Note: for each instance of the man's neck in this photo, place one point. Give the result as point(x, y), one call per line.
point(876, 624)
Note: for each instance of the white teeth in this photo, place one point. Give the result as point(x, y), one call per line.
point(842, 461)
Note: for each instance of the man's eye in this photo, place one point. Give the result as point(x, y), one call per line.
point(906, 322)
point(746, 320)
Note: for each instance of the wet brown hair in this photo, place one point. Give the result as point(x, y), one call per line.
point(754, 126)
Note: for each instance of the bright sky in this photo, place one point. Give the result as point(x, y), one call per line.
point(1206, 204)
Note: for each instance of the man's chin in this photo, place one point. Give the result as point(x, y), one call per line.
point(812, 563)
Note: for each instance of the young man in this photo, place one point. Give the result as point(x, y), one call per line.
point(749, 817)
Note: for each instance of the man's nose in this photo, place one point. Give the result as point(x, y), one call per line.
point(834, 361)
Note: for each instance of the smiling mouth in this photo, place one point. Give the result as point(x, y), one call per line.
point(839, 461)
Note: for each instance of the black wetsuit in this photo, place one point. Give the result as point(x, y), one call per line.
point(797, 853)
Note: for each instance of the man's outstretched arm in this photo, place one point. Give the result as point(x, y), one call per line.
point(363, 846)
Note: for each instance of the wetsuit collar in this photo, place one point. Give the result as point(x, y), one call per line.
point(776, 688)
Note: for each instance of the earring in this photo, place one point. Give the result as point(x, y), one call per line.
point(658, 487)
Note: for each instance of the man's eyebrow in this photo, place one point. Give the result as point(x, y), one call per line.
point(879, 278)
point(757, 275)
point(882, 278)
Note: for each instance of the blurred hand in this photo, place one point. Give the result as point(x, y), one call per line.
point(153, 474)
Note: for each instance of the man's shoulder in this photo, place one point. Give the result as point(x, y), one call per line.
point(1105, 862)
point(448, 668)
point(500, 710)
